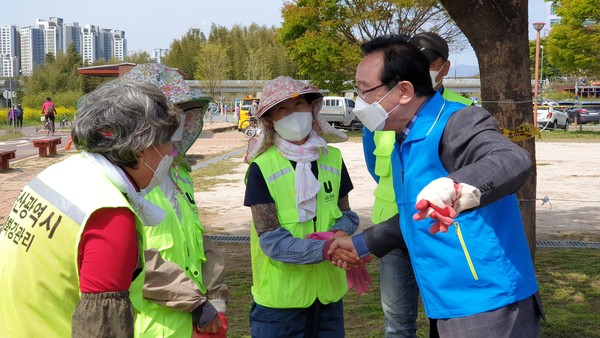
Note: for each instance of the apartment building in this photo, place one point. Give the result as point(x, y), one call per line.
point(24, 48)
point(9, 56)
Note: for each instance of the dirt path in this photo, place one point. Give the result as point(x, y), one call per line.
point(568, 174)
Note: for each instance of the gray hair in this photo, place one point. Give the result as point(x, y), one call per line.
point(121, 118)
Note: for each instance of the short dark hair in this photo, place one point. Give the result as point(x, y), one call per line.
point(48, 99)
point(402, 61)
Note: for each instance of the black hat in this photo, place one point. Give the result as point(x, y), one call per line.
point(432, 45)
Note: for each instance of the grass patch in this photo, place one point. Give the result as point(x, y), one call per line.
point(211, 175)
point(586, 136)
point(569, 283)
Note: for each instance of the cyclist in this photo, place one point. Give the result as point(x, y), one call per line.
point(49, 111)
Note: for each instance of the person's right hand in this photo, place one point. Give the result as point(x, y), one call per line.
point(343, 254)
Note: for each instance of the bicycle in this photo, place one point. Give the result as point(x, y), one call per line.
point(65, 122)
point(212, 110)
point(250, 127)
point(47, 126)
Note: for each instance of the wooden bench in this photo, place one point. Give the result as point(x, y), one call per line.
point(6, 155)
point(47, 146)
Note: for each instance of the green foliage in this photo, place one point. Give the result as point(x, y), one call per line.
point(547, 68)
point(138, 57)
point(183, 52)
point(574, 43)
point(211, 65)
point(252, 53)
point(324, 37)
point(57, 79)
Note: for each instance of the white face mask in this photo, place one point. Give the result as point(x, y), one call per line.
point(372, 115)
point(161, 173)
point(295, 126)
point(434, 73)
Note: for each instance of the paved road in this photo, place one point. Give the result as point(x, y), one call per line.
point(24, 145)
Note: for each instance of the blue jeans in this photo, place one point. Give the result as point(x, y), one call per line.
point(317, 320)
point(399, 294)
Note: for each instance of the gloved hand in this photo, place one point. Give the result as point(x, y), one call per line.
point(222, 333)
point(442, 199)
point(358, 278)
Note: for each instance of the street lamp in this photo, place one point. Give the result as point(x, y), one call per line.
point(538, 27)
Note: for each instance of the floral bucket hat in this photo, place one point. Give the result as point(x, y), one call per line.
point(193, 104)
point(279, 90)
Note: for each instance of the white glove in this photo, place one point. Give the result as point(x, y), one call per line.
point(442, 199)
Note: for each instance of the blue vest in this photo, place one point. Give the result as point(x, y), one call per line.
point(482, 263)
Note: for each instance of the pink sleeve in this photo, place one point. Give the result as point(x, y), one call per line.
point(108, 251)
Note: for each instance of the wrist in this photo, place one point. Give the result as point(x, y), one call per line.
point(326, 247)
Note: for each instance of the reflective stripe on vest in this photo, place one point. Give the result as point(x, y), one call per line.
point(282, 285)
point(385, 206)
point(177, 242)
point(38, 247)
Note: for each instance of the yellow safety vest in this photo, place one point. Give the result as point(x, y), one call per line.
point(39, 247)
point(177, 242)
point(281, 285)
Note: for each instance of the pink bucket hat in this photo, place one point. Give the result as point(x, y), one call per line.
point(283, 88)
point(278, 90)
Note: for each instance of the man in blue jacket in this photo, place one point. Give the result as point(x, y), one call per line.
point(454, 172)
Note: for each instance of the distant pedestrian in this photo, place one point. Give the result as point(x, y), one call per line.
point(49, 110)
point(18, 116)
point(237, 112)
point(11, 116)
point(253, 108)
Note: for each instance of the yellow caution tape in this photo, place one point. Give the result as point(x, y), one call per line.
point(523, 132)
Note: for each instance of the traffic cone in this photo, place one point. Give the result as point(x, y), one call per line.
point(69, 142)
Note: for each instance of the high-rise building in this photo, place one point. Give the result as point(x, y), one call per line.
point(119, 49)
point(32, 49)
point(105, 44)
point(71, 35)
point(9, 53)
point(89, 43)
point(51, 34)
point(24, 48)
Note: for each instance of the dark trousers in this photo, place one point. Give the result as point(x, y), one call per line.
point(517, 320)
point(315, 321)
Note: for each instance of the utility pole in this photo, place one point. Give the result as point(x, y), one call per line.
point(160, 53)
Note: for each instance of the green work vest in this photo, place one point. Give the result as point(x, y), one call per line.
point(39, 247)
point(385, 206)
point(281, 285)
point(177, 242)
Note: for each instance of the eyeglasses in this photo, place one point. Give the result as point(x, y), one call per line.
point(362, 93)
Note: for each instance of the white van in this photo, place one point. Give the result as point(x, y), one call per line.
point(338, 110)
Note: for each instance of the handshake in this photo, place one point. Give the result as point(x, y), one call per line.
point(340, 251)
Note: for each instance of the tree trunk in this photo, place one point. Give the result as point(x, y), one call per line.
point(498, 32)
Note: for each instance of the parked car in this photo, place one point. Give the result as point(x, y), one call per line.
point(549, 118)
point(338, 110)
point(585, 112)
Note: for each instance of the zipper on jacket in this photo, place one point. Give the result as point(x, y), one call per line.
point(466, 252)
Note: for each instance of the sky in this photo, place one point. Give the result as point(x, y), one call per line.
point(153, 24)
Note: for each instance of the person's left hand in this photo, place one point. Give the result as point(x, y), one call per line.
point(212, 327)
point(442, 199)
point(221, 330)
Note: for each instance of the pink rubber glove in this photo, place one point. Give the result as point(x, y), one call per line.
point(357, 278)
